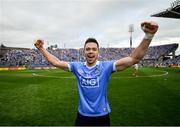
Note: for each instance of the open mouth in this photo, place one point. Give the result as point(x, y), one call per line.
point(90, 56)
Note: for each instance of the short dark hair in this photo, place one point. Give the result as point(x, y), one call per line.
point(91, 40)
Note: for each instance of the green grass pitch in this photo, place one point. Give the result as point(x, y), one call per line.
point(50, 98)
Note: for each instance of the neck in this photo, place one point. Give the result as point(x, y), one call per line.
point(90, 64)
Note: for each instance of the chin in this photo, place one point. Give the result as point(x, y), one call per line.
point(91, 62)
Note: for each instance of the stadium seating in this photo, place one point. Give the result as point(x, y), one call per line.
point(32, 58)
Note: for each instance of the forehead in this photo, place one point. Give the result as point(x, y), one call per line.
point(91, 45)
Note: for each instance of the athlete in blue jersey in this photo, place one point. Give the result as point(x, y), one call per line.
point(93, 76)
point(92, 83)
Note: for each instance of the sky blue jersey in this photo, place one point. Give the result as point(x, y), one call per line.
point(92, 85)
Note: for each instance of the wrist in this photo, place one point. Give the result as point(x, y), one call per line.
point(148, 36)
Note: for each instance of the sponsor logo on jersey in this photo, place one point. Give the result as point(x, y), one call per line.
point(89, 82)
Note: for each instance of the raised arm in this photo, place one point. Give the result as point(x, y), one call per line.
point(51, 58)
point(150, 28)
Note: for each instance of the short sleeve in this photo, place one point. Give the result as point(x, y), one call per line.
point(114, 66)
point(109, 66)
point(71, 66)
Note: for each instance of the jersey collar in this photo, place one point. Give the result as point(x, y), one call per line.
point(97, 63)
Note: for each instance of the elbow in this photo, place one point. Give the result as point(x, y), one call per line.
point(136, 60)
point(53, 62)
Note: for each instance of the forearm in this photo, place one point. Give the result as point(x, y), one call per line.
point(51, 58)
point(149, 28)
point(140, 51)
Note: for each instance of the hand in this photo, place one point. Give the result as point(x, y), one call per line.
point(39, 44)
point(149, 27)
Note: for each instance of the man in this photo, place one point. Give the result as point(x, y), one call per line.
point(136, 70)
point(93, 76)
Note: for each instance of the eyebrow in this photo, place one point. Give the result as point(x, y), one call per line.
point(91, 48)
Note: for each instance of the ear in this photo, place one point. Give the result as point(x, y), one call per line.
point(83, 52)
point(98, 52)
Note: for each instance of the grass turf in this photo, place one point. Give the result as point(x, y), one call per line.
point(50, 98)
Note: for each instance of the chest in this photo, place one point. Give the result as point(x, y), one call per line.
point(90, 78)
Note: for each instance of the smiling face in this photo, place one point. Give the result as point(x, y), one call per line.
point(91, 52)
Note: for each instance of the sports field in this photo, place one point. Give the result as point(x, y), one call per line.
point(50, 98)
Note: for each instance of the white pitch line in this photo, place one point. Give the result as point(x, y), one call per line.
point(72, 77)
point(34, 74)
point(165, 73)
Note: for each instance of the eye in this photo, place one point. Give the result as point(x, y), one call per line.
point(87, 49)
point(94, 49)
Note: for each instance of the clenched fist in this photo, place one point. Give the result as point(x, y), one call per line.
point(39, 44)
point(149, 27)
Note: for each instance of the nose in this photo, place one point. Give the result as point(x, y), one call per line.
point(90, 51)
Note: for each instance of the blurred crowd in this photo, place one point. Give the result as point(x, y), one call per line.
point(33, 58)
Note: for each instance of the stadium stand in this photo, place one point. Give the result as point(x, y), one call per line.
point(173, 61)
point(172, 12)
point(31, 58)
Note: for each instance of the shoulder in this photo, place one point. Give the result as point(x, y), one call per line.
point(109, 64)
point(75, 65)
